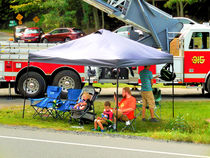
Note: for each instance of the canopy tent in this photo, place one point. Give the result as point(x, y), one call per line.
point(102, 49)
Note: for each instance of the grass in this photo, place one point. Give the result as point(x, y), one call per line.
point(7, 30)
point(195, 114)
point(121, 85)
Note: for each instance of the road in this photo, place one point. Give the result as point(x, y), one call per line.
point(25, 142)
point(5, 36)
point(107, 94)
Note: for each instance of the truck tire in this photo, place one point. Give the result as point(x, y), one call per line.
point(36, 85)
point(208, 85)
point(67, 79)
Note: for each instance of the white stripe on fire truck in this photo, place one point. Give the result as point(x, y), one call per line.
point(15, 74)
point(194, 75)
point(8, 73)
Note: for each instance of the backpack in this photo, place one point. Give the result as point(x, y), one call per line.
point(166, 74)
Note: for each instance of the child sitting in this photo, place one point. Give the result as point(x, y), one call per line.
point(81, 105)
point(106, 115)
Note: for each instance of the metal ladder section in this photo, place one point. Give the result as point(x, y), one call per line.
point(15, 51)
point(153, 21)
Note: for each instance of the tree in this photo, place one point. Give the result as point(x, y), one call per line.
point(6, 13)
point(180, 5)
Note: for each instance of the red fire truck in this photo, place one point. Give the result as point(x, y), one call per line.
point(14, 68)
point(189, 44)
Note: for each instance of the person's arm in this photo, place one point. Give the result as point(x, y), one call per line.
point(151, 82)
point(84, 105)
point(76, 106)
point(132, 106)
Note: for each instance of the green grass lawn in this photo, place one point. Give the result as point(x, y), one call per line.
point(190, 123)
point(110, 85)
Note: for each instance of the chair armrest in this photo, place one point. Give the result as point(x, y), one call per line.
point(33, 100)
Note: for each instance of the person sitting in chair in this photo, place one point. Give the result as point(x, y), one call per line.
point(81, 105)
point(106, 116)
point(127, 106)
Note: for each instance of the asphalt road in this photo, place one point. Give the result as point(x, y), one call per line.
point(25, 142)
point(107, 94)
point(5, 36)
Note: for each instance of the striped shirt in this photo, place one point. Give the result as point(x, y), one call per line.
point(146, 76)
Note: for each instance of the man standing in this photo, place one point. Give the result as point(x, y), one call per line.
point(127, 106)
point(146, 92)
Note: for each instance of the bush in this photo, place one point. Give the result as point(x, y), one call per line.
point(178, 124)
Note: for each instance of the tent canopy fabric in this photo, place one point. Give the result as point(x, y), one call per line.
point(103, 49)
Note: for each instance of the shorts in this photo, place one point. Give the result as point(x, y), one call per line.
point(148, 99)
point(120, 116)
point(102, 120)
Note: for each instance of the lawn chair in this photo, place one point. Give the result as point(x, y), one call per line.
point(45, 105)
point(132, 121)
point(157, 97)
point(88, 114)
point(65, 107)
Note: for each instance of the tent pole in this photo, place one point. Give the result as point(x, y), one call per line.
point(24, 104)
point(173, 90)
point(117, 98)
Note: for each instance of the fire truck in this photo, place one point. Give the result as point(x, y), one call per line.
point(189, 44)
point(16, 71)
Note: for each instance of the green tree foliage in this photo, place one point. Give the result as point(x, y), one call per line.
point(26, 6)
point(5, 13)
point(58, 13)
point(179, 4)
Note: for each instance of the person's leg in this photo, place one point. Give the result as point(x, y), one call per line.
point(95, 124)
point(100, 124)
point(144, 104)
point(124, 118)
point(143, 112)
point(152, 112)
point(151, 102)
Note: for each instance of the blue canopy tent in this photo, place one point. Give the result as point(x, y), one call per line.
point(103, 49)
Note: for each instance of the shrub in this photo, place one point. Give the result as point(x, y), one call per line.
point(178, 124)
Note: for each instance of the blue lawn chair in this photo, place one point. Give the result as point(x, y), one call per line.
point(45, 105)
point(66, 106)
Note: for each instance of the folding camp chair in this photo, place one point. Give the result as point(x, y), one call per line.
point(45, 105)
point(157, 97)
point(132, 121)
point(88, 114)
point(66, 106)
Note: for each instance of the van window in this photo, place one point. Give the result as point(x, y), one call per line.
point(122, 29)
point(199, 40)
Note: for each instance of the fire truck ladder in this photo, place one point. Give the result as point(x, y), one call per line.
point(156, 23)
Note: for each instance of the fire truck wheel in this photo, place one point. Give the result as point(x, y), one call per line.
point(67, 79)
point(208, 85)
point(35, 84)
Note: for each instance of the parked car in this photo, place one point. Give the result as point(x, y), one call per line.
point(18, 32)
point(32, 34)
point(62, 35)
point(130, 32)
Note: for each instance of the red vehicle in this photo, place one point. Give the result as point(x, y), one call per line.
point(32, 34)
point(62, 35)
point(13, 71)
